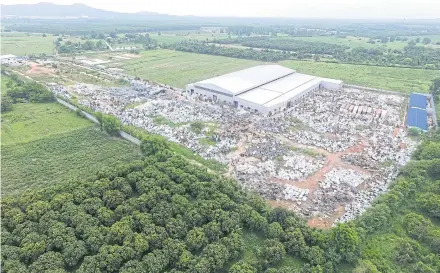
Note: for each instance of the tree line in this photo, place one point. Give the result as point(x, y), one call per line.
point(252, 54)
point(305, 28)
point(93, 26)
point(72, 47)
point(272, 50)
point(19, 91)
point(299, 47)
point(411, 56)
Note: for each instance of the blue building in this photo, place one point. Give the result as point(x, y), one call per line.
point(417, 118)
point(417, 101)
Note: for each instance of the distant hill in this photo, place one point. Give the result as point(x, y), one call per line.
point(56, 11)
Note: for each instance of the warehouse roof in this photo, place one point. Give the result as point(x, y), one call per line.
point(288, 83)
point(259, 95)
point(246, 79)
point(294, 92)
point(417, 100)
point(417, 118)
point(7, 56)
point(275, 92)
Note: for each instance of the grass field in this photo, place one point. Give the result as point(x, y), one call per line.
point(434, 39)
point(172, 37)
point(180, 68)
point(60, 157)
point(354, 42)
point(44, 144)
point(351, 42)
point(26, 45)
point(30, 121)
point(404, 80)
point(4, 80)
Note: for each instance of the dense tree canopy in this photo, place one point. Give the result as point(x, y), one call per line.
point(150, 216)
point(203, 48)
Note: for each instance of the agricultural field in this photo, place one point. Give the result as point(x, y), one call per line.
point(180, 68)
point(20, 45)
point(354, 42)
point(434, 39)
point(43, 144)
point(4, 80)
point(351, 41)
point(32, 121)
point(173, 37)
point(60, 157)
point(390, 78)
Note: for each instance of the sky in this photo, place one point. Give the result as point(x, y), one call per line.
point(360, 9)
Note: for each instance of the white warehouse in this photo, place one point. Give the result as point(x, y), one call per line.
point(264, 88)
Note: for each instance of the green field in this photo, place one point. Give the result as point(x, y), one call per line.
point(434, 39)
point(60, 157)
point(30, 121)
point(43, 144)
point(4, 80)
point(180, 68)
point(404, 80)
point(26, 45)
point(351, 42)
point(173, 37)
point(354, 42)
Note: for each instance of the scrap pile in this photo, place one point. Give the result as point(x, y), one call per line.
point(331, 150)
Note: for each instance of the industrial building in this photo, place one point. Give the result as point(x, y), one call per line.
point(266, 89)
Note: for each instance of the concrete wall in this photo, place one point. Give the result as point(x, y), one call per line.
point(244, 104)
point(331, 85)
point(130, 138)
point(74, 108)
point(197, 92)
point(123, 134)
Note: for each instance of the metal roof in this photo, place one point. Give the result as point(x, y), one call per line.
point(417, 100)
point(288, 83)
point(246, 79)
point(7, 56)
point(280, 90)
point(417, 118)
point(259, 95)
point(294, 92)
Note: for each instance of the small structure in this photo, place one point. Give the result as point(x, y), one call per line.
point(421, 112)
point(264, 88)
point(417, 118)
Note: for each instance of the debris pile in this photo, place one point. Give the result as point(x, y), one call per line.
point(357, 136)
point(337, 177)
point(298, 167)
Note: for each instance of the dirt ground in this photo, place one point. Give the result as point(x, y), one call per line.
point(128, 55)
point(327, 222)
point(37, 69)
